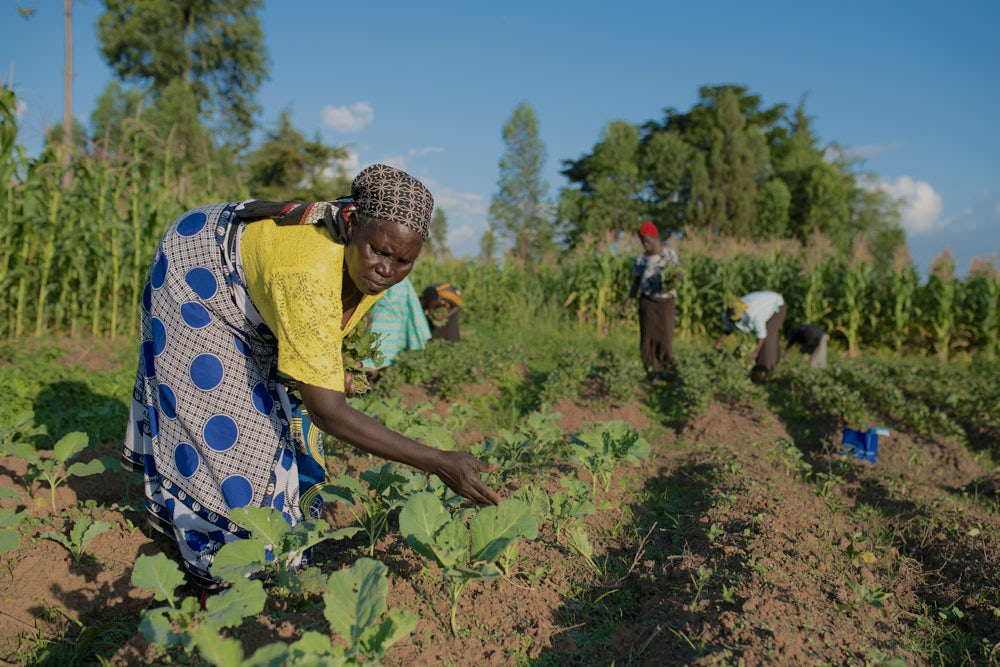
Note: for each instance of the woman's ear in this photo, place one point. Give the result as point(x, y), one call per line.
point(350, 217)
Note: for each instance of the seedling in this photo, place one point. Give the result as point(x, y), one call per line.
point(276, 549)
point(80, 536)
point(53, 470)
point(375, 503)
point(609, 444)
point(182, 621)
point(464, 554)
point(10, 535)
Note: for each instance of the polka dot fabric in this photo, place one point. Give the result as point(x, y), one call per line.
point(209, 423)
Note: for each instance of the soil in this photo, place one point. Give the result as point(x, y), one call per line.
point(733, 543)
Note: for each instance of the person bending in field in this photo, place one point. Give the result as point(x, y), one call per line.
point(398, 318)
point(442, 303)
point(811, 339)
point(760, 314)
point(243, 301)
point(656, 274)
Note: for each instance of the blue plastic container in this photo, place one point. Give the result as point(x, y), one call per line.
point(862, 444)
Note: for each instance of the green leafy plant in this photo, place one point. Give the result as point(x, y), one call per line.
point(54, 470)
point(354, 602)
point(361, 344)
point(10, 520)
point(80, 536)
point(464, 553)
point(275, 548)
point(604, 447)
point(183, 623)
point(386, 491)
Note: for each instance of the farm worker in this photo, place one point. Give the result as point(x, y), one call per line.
point(811, 339)
point(655, 276)
point(760, 314)
point(243, 301)
point(442, 302)
point(399, 318)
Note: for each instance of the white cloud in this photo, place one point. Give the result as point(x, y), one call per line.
point(466, 212)
point(921, 205)
point(348, 119)
point(20, 109)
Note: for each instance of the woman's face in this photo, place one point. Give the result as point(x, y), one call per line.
point(650, 244)
point(380, 253)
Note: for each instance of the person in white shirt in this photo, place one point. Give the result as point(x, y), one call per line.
point(760, 314)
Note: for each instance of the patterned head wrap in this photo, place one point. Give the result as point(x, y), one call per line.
point(387, 193)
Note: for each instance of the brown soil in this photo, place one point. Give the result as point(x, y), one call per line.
point(730, 545)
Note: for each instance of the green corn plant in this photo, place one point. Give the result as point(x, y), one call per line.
point(53, 470)
point(464, 554)
point(940, 303)
point(856, 305)
point(182, 622)
point(903, 288)
point(80, 536)
point(274, 549)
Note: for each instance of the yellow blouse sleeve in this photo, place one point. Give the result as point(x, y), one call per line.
point(294, 276)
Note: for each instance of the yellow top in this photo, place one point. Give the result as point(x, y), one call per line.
point(294, 276)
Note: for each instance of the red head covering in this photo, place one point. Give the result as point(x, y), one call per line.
point(648, 229)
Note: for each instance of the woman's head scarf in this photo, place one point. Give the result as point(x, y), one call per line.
point(387, 193)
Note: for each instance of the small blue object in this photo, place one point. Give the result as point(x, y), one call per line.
point(862, 444)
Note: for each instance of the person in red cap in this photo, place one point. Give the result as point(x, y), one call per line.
point(655, 276)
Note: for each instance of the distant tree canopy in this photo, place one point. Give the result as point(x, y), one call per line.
point(203, 58)
point(729, 166)
point(286, 166)
point(519, 211)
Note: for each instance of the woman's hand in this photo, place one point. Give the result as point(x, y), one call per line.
point(350, 389)
point(459, 471)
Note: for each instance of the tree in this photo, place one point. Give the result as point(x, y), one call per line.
point(437, 240)
point(731, 170)
point(288, 167)
point(519, 211)
point(487, 246)
point(212, 49)
point(610, 195)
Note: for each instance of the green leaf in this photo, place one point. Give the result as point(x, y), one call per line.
point(21, 450)
point(237, 559)
point(266, 524)
point(155, 626)
point(79, 469)
point(398, 624)
point(7, 492)
point(451, 544)
point(221, 652)
point(537, 501)
point(420, 519)
point(355, 598)
point(90, 530)
point(57, 537)
point(10, 539)
point(69, 446)
point(228, 608)
point(10, 519)
point(158, 574)
point(495, 528)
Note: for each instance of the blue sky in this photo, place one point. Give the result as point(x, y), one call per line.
point(912, 87)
